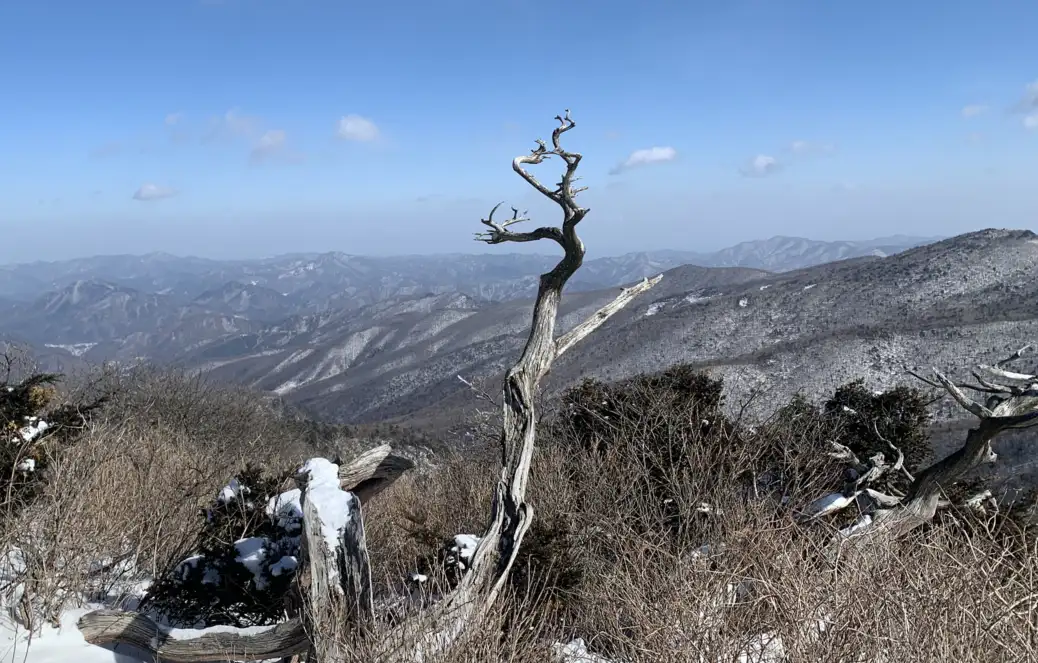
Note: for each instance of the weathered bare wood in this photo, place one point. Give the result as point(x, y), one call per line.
point(1006, 407)
point(372, 472)
point(574, 336)
point(510, 515)
point(335, 559)
point(104, 627)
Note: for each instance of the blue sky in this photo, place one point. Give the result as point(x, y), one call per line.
point(240, 128)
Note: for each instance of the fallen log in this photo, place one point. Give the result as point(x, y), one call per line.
point(113, 627)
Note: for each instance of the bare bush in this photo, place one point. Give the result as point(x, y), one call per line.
point(746, 578)
point(126, 496)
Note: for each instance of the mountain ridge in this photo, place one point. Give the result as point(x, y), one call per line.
point(863, 317)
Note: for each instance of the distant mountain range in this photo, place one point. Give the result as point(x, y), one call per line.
point(339, 280)
point(358, 340)
point(291, 322)
point(957, 301)
point(162, 307)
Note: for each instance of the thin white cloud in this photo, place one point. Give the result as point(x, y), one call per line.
point(357, 128)
point(240, 125)
point(271, 144)
point(761, 165)
point(174, 119)
point(1032, 94)
point(1028, 106)
point(153, 192)
point(232, 125)
point(645, 157)
point(973, 110)
point(806, 147)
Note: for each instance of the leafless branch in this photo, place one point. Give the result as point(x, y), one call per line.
point(481, 394)
point(899, 464)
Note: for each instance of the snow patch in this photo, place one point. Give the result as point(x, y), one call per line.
point(252, 552)
point(330, 501)
point(229, 492)
point(33, 428)
point(576, 652)
point(286, 564)
point(74, 349)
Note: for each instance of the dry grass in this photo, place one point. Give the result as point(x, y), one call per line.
point(604, 562)
point(133, 484)
point(647, 596)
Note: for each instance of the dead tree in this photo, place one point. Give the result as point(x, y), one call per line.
point(1010, 402)
point(335, 580)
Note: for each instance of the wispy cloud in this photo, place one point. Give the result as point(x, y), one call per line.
point(357, 128)
point(761, 165)
point(174, 119)
point(1028, 106)
point(974, 110)
point(645, 157)
point(232, 125)
point(811, 148)
point(271, 144)
point(153, 192)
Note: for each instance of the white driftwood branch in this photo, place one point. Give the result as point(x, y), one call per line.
point(574, 336)
point(1006, 407)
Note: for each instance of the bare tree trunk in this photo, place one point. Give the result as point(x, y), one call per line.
point(510, 515)
point(336, 559)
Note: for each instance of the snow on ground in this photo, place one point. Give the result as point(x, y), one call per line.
point(63, 643)
point(252, 553)
point(59, 645)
